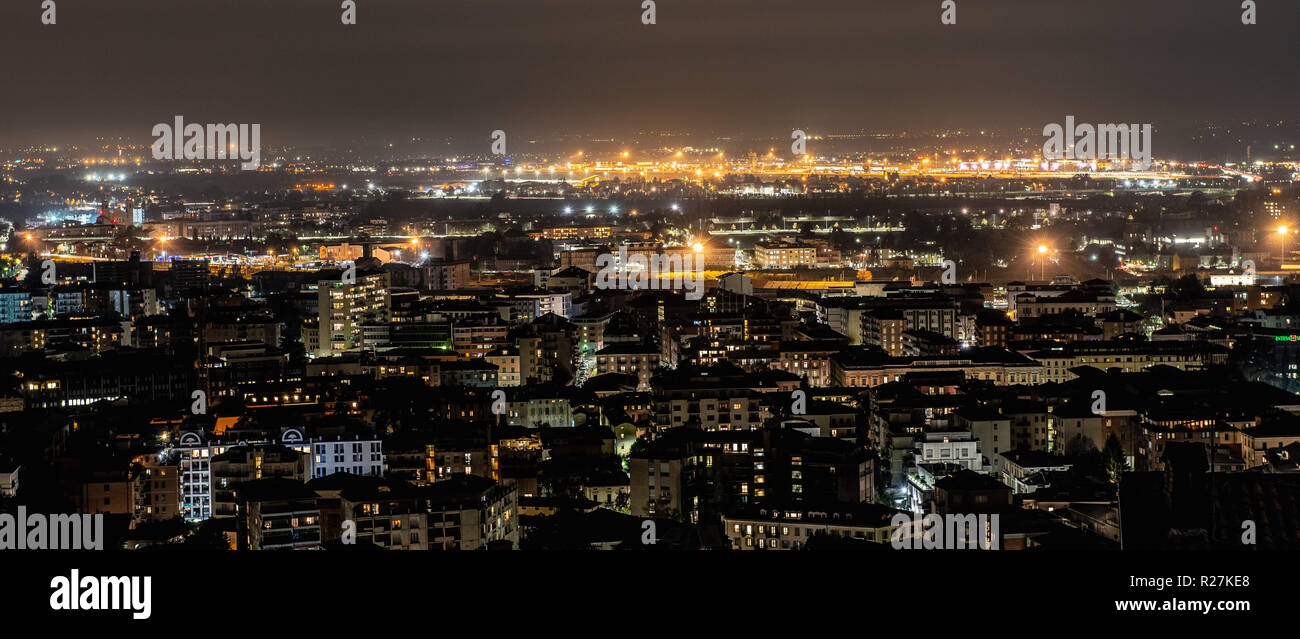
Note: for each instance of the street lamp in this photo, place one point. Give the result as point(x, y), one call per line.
point(1042, 263)
point(1281, 241)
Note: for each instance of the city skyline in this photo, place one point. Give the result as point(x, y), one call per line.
point(948, 296)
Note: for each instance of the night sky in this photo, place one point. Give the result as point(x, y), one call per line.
point(438, 68)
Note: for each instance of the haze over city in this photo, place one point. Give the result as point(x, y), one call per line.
point(541, 70)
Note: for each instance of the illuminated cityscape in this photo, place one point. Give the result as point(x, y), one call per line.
point(959, 290)
point(564, 276)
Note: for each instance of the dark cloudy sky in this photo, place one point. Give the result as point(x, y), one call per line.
point(435, 68)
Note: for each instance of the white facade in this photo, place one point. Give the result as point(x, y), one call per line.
point(558, 303)
point(195, 461)
point(359, 457)
point(68, 302)
point(950, 448)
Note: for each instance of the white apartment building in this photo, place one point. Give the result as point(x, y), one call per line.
point(324, 457)
point(950, 447)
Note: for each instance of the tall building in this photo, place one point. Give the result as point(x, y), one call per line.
point(446, 275)
point(344, 304)
point(161, 498)
point(188, 274)
point(277, 514)
point(241, 464)
point(15, 306)
point(209, 471)
point(468, 512)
